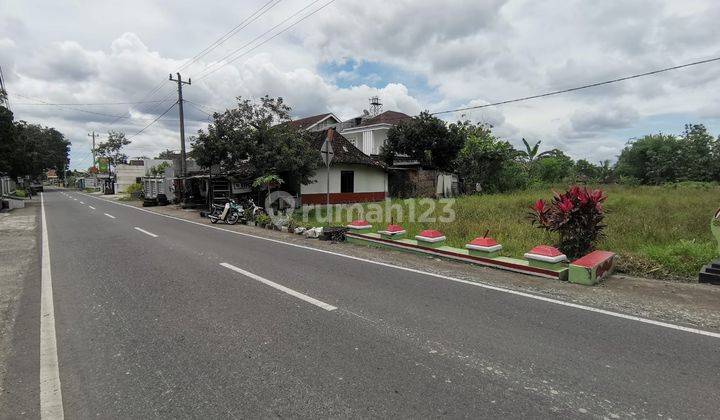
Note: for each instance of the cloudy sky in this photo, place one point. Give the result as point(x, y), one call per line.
point(415, 55)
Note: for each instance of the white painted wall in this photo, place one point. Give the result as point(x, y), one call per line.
point(379, 139)
point(370, 141)
point(367, 142)
point(125, 175)
point(367, 179)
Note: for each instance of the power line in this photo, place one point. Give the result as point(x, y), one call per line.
point(72, 108)
point(242, 25)
point(199, 107)
point(153, 121)
point(205, 51)
point(557, 92)
point(87, 104)
point(208, 71)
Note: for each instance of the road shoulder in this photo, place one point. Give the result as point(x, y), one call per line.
point(19, 310)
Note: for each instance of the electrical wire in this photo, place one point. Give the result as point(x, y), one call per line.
point(72, 108)
point(224, 61)
point(205, 51)
point(153, 121)
point(558, 92)
point(87, 104)
point(198, 107)
point(242, 25)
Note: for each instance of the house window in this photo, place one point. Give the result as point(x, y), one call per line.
point(347, 181)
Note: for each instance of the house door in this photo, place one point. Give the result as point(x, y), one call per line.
point(347, 181)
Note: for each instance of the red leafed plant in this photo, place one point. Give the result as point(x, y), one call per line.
point(576, 215)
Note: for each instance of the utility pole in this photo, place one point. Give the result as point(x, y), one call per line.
point(183, 164)
point(93, 147)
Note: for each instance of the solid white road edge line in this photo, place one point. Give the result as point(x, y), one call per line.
point(280, 287)
point(109, 215)
point(440, 276)
point(50, 391)
point(92, 207)
point(146, 232)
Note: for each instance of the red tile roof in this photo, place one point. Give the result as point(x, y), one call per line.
point(345, 151)
point(387, 117)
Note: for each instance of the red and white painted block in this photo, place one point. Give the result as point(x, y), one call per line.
point(484, 247)
point(591, 268)
point(430, 238)
point(359, 226)
point(393, 232)
point(546, 256)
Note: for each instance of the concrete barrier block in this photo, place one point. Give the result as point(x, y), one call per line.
point(430, 238)
point(484, 247)
point(592, 268)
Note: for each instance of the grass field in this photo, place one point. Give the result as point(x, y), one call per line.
point(660, 232)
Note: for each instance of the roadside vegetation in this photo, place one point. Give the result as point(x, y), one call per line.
point(658, 231)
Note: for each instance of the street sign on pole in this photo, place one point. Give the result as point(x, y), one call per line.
point(327, 154)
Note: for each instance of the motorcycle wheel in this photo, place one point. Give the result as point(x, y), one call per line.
point(233, 218)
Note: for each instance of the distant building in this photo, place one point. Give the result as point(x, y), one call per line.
point(369, 134)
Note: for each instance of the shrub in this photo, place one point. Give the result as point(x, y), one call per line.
point(134, 190)
point(263, 220)
point(20, 193)
point(575, 215)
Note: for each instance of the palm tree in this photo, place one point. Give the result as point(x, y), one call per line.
point(531, 154)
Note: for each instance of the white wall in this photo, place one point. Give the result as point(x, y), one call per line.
point(379, 139)
point(125, 175)
point(369, 141)
point(367, 179)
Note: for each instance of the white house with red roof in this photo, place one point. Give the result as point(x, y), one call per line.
point(354, 176)
point(369, 134)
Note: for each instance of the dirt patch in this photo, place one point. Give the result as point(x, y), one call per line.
point(690, 304)
point(18, 251)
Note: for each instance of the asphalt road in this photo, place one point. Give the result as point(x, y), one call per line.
point(179, 320)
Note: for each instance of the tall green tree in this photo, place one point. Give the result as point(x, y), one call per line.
point(428, 139)
point(37, 149)
point(111, 149)
point(554, 166)
point(698, 162)
point(7, 140)
point(487, 164)
point(254, 139)
point(660, 158)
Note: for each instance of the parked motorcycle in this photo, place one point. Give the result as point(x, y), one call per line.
point(229, 213)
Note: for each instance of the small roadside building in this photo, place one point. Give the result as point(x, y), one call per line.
point(354, 176)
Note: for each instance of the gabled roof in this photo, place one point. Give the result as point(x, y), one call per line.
point(387, 117)
point(308, 122)
point(345, 151)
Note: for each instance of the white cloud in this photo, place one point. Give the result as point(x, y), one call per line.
point(465, 52)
